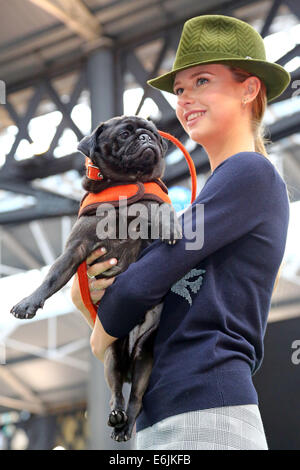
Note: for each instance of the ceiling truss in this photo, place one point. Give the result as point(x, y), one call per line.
point(19, 176)
point(74, 14)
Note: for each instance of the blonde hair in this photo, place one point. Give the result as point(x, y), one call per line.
point(259, 106)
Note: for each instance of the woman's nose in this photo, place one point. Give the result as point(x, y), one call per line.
point(185, 98)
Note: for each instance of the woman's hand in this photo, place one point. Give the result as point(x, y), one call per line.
point(97, 286)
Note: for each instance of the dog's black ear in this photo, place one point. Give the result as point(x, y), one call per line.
point(88, 144)
point(84, 145)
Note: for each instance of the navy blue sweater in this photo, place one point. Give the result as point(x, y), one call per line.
point(216, 297)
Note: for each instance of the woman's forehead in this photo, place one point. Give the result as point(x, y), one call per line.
point(213, 69)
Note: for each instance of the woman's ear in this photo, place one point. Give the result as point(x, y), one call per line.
point(252, 86)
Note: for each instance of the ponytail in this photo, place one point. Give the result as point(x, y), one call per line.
point(259, 106)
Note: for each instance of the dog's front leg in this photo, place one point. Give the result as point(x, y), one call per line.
point(59, 274)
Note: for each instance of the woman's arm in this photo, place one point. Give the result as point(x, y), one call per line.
point(234, 199)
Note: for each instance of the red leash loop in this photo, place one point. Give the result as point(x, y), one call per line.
point(188, 159)
point(82, 275)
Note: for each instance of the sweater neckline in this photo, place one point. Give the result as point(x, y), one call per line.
point(234, 155)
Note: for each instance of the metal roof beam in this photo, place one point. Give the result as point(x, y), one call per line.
point(42, 242)
point(294, 7)
point(154, 71)
point(16, 404)
point(294, 85)
point(20, 388)
point(74, 14)
point(19, 250)
point(270, 17)
point(52, 355)
point(17, 119)
point(295, 52)
point(48, 204)
point(136, 68)
point(141, 33)
point(285, 127)
point(42, 167)
point(79, 85)
point(9, 270)
point(63, 109)
point(23, 123)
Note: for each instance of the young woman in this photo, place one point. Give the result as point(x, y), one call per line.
point(216, 296)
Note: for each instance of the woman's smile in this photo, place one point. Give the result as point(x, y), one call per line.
point(193, 118)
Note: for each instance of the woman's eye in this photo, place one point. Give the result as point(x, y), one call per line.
point(179, 91)
point(202, 78)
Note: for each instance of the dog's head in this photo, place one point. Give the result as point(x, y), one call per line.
point(126, 148)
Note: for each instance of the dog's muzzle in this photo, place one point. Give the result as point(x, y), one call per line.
point(143, 146)
point(145, 138)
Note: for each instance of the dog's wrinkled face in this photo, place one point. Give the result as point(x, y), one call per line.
point(126, 148)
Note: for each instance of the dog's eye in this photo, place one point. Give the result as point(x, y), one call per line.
point(124, 135)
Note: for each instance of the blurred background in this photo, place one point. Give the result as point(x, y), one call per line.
point(65, 66)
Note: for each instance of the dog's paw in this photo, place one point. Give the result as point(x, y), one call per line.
point(117, 418)
point(121, 435)
point(174, 235)
point(170, 242)
point(25, 309)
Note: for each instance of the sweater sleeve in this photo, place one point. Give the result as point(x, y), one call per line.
point(230, 205)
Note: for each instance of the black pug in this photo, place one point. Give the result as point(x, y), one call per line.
point(126, 149)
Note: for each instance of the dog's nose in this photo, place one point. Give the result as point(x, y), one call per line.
point(145, 138)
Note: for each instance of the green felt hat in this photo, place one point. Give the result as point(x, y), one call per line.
point(219, 39)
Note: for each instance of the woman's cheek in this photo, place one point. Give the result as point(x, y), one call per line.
point(179, 114)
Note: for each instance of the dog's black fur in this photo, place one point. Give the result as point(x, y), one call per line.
point(126, 149)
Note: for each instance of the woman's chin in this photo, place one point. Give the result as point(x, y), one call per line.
point(197, 135)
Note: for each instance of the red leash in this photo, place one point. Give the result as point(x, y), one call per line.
point(82, 275)
point(188, 159)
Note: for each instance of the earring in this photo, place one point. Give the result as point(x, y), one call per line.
point(244, 102)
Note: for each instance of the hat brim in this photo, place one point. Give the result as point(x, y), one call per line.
point(275, 77)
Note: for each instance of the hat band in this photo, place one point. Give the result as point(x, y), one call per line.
point(199, 56)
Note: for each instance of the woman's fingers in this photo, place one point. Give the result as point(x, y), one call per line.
point(100, 284)
point(97, 288)
point(95, 254)
point(99, 268)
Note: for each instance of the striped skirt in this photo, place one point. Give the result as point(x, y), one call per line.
point(226, 428)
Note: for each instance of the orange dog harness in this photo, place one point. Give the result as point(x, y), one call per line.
point(133, 192)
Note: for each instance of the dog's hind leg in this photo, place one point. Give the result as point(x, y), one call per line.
point(115, 370)
point(142, 367)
